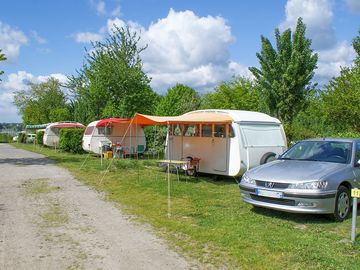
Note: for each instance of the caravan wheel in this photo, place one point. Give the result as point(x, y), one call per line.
point(267, 157)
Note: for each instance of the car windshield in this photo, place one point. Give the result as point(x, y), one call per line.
point(328, 151)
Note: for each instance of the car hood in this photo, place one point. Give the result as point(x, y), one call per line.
point(294, 170)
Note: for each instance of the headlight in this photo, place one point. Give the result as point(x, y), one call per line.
point(309, 185)
point(247, 180)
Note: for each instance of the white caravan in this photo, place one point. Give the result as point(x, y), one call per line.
point(227, 142)
point(118, 132)
point(52, 132)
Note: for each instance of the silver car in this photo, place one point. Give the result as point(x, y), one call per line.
point(313, 176)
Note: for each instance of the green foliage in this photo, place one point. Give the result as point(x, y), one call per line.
point(39, 137)
point(285, 72)
point(22, 137)
point(239, 94)
point(42, 103)
point(178, 100)
point(70, 140)
point(342, 99)
point(112, 83)
point(5, 138)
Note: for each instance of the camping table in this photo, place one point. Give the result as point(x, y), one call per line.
point(175, 163)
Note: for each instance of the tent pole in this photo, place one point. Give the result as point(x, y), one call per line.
point(168, 173)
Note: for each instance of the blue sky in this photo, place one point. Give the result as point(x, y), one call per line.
point(198, 43)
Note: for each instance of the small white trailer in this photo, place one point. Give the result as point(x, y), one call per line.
point(226, 142)
point(117, 132)
point(52, 132)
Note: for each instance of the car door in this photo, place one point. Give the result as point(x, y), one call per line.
point(357, 167)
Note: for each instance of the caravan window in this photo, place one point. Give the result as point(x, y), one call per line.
point(262, 135)
point(104, 130)
point(191, 130)
point(220, 130)
point(56, 131)
point(206, 130)
point(89, 130)
point(177, 130)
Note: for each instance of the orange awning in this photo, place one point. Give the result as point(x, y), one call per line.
point(190, 118)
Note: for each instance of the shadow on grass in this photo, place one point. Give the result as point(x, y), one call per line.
point(298, 218)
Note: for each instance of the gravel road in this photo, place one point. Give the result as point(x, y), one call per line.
point(49, 220)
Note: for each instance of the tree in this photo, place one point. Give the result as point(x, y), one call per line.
point(285, 72)
point(42, 103)
point(112, 83)
point(178, 100)
point(342, 98)
point(2, 58)
point(239, 94)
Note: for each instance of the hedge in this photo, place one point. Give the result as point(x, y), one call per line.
point(5, 138)
point(70, 140)
point(39, 137)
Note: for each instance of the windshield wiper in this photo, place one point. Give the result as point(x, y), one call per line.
point(285, 158)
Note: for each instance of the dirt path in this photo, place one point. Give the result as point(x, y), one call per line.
point(48, 220)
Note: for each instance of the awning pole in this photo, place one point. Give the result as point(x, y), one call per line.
point(168, 172)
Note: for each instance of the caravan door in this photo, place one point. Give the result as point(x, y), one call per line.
point(220, 148)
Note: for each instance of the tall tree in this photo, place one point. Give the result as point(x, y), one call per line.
point(178, 100)
point(2, 58)
point(238, 94)
point(42, 103)
point(112, 82)
point(286, 71)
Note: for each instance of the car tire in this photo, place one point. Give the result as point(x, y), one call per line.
point(267, 157)
point(342, 204)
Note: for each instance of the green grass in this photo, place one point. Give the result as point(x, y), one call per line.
point(210, 222)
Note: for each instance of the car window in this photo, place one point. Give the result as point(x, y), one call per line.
point(327, 151)
point(206, 130)
point(357, 153)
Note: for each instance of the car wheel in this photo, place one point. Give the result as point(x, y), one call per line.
point(342, 204)
point(267, 157)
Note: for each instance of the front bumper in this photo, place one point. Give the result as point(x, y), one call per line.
point(292, 201)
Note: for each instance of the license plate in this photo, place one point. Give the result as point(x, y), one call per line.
point(268, 193)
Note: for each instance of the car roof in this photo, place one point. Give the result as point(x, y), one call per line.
point(335, 139)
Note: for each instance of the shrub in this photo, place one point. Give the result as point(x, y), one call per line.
point(5, 138)
point(22, 137)
point(348, 134)
point(70, 140)
point(39, 137)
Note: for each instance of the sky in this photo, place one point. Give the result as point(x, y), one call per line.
point(198, 43)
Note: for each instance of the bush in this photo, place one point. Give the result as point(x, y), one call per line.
point(39, 137)
point(70, 140)
point(5, 138)
point(22, 137)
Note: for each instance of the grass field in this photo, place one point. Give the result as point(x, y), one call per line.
point(209, 221)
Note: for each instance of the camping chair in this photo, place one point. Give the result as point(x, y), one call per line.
point(140, 149)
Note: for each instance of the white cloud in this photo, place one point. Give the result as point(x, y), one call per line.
point(331, 60)
point(11, 41)
point(38, 38)
point(318, 15)
point(184, 48)
point(87, 37)
point(354, 5)
point(15, 82)
point(111, 22)
point(116, 12)
point(99, 6)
